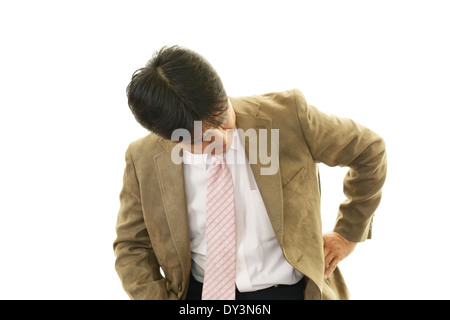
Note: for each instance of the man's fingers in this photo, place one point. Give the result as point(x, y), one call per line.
point(326, 248)
point(330, 268)
point(327, 253)
point(328, 258)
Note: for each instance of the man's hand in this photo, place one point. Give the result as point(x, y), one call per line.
point(335, 249)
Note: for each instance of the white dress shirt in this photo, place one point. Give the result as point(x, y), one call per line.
point(259, 259)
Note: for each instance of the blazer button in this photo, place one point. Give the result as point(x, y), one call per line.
point(180, 287)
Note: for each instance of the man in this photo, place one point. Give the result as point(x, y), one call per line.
point(173, 215)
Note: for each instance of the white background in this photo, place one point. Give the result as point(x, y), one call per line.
point(65, 124)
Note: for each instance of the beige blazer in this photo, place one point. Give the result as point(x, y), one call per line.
point(152, 226)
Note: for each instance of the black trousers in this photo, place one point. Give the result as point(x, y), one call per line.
point(280, 292)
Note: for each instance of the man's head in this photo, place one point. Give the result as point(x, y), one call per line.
point(177, 87)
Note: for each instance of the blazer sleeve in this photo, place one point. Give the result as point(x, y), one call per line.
point(136, 263)
point(342, 142)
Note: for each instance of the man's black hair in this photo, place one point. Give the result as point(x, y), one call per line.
point(175, 88)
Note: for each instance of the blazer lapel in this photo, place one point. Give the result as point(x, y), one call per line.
point(269, 185)
point(171, 182)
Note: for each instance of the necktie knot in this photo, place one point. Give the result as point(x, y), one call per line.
point(218, 160)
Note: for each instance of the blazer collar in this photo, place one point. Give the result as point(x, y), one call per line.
point(171, 184)
point(250, 117)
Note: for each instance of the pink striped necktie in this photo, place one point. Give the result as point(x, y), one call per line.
point(220, 271)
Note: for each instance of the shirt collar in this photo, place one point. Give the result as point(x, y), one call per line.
point(203, 160)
